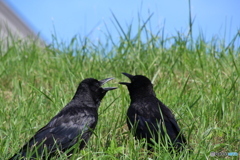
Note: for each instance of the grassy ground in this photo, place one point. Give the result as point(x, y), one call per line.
point(198, 80)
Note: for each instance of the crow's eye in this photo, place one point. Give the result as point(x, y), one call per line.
point(95, 88)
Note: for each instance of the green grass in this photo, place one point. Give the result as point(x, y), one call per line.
point(198, 80)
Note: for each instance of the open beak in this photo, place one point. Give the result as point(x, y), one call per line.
point(105, 81)
point(127, 75)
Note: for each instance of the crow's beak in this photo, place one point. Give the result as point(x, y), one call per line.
point(105, 81)
point(124, 83)
point(127, 75)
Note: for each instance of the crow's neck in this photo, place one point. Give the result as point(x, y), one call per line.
point(87, 101)
point(139, 94)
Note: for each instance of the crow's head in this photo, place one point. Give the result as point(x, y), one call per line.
point(140, 85)
point(91, 89)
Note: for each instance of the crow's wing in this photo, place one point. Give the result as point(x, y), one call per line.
point(64, 130)
point(144, 118)
point(149, 115)
point(174, 131)
point(172, 126)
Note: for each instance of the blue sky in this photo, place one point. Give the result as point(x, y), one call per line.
point(87, 17)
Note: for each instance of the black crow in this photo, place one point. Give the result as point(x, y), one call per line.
point(73, 124)
point(147, 116)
